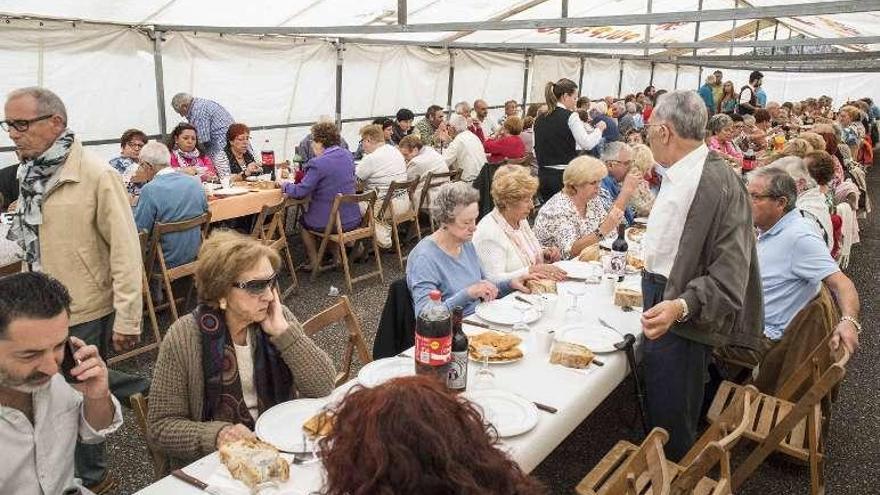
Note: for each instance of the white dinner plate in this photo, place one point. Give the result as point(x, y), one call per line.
point(232, 191)
point(595, 337)
point(281, 425)
point(641, 220)
point(522, 347)
point(580, 269)
point(505, 312)
point(381, 370)
point(510, 414)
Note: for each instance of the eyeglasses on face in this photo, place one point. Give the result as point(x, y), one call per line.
point(135, 144)
point(757, 197)
point(256, 287)
point(22, 125)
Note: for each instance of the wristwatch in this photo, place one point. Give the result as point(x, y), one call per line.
point(854, 322)
point(684, 310)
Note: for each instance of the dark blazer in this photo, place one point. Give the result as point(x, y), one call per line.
point(716, 268)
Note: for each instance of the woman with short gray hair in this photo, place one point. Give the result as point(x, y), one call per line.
point(447, 261)
point(721, 141)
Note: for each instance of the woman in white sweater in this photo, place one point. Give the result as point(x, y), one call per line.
point(505, 243)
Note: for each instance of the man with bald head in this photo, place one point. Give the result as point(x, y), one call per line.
point(489, 126)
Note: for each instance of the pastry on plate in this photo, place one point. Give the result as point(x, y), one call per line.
point(505, 346)
point(590, 253)
point(252, 462)
point(542, 286)
point(571, 355)
point(319, 425)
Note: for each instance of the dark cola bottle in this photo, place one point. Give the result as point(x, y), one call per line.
point(433, 349)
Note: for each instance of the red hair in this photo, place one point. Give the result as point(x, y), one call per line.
point(410, 436)
point(236, 130)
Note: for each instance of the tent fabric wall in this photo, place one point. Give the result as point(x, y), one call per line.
point(285, 80)
point(636, 76)
point(600, 77)
point(479, 74)
point(546, 68)
point(688, 77)
point(664, 76)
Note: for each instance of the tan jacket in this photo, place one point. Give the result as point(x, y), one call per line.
point(89, 242)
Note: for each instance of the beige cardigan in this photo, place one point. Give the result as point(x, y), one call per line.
point(177, 391)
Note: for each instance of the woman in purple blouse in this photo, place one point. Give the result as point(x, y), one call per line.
point(331, 172)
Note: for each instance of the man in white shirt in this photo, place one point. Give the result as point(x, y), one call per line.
point(465, 151)
point(489, 125)
point(382, 164)
point(701, 285)
point(41, 414)
point(421, 160)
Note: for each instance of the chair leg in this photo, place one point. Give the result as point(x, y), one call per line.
point(378, 259)
point(345, 266)
point(817, 464)
point(170, 295)
point(294, 283)
point(151, 312)
point(396, 240)
point(317, 264)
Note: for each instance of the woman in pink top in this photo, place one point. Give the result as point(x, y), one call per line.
point(721, 141)
point(186, 155)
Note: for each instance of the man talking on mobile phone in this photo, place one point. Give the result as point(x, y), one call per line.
point(40, 413)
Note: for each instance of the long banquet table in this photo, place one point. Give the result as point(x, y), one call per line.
point(242, 205)
point(574, 393)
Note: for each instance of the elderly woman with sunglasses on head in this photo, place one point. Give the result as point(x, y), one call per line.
point(238, 354)
point(447, 259)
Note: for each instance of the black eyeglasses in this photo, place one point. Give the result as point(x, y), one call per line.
point(22, 125)
point(256, 287)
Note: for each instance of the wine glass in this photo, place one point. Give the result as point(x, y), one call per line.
point(522, 307)
point(484, 377)
point(576, 290)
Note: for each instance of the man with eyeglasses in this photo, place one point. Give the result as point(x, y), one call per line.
point(73, 221)
point(701, 286)
point(619, 185)
point(795, 263)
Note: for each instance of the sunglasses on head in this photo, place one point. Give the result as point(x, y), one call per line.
point(256, 287)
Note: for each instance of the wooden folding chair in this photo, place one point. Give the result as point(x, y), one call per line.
point(395, 218)
point(11, 268)
point(269, 228)
point(795, 421)
point(434, 180)
point(157, 259)
point(628, 469)
point(150, 309)
point(334, 233)
point(342, 312)
point(140, 404)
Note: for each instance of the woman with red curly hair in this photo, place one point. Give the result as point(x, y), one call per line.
point(410, 436)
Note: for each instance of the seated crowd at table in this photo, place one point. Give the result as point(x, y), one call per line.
point(751, 208)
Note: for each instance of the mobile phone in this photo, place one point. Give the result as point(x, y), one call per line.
point(69, 362)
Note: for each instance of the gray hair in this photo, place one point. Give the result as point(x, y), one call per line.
point(619, 106)
point(458, 122)
point(779, 184)
point(719, 121)
point(749, 119)
point(48, 103)
point(631, 107)
point(462, 104)
point(613, 149)
point(181, 99)
point(797, 169)
point(156, 154)
point(450, 196)
point(685, 111)
point(600, 107)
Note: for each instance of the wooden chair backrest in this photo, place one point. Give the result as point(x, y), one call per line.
point(270, 217)
point(823, 360)
point(335, 226)
point(140, 406)
point(156, 256)
point(385, 210)
point(342, 312)
point(645, 467)
point(434, 180)
point(11, 268)
point(715, 444)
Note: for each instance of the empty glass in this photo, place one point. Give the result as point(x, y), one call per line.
point(523, 309)
point(484, 378)
point(576, 290)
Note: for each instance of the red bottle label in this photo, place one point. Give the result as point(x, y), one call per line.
point(267, 157)
point(433, 351)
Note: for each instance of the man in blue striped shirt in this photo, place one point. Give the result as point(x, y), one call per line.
point(211, 121)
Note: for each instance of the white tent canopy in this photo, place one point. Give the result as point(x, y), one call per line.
point(277, 65)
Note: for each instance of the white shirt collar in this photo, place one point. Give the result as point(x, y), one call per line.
point(688, 164)
point(166, 171)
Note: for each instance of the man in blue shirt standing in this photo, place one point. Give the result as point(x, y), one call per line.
point(794, 262)
point(618, 158)
point(211, 121)
point(169, 196)
point(705, 93)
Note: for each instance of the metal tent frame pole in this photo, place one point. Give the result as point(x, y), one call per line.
point(525, 92)
point(159, 76)
point(451, 81)
point(340, 49)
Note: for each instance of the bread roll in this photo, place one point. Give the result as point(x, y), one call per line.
point(253, 462)
point(627, 297)
point(590, 253)
point(571, 355)
point(542, 286)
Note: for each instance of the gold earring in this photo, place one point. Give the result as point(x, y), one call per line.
point(223, 304)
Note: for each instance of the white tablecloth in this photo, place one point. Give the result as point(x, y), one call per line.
point(574, 393)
